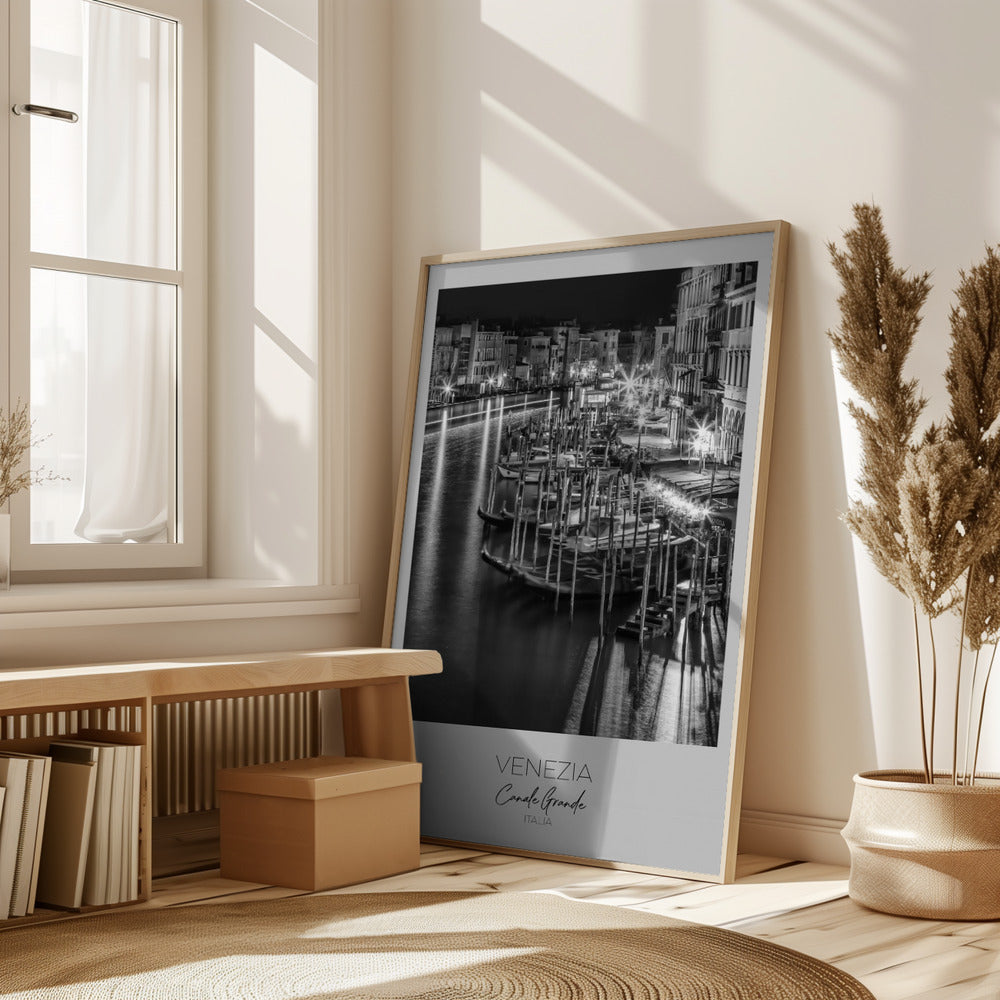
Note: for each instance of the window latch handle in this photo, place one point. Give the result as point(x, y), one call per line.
point(41, 109)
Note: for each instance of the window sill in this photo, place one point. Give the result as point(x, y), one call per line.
point(55, 605)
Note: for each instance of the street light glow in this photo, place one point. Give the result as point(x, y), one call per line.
point(702, 442)
point(676, 502)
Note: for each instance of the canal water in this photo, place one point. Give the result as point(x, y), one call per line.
point(511, 658)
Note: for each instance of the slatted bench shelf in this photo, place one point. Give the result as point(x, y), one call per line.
point(115, 702)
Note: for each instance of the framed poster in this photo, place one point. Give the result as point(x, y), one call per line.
point(578, 534)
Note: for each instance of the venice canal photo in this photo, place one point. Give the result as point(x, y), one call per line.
point(578, 487)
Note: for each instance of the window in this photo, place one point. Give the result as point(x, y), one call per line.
point(107, 265)
point(262, 530)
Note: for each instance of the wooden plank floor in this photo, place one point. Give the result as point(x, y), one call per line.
point(800, 905)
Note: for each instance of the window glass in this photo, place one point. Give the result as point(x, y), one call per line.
point(102, 359)
point(104, 188)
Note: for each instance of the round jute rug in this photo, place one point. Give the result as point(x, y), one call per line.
point(445, 946)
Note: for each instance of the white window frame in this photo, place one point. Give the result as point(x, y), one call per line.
point(82, 600)
point(188, 551)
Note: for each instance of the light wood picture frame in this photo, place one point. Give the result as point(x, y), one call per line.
point(579, 522)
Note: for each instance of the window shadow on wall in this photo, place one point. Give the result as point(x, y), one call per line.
point(590, 157)
point(264, 334)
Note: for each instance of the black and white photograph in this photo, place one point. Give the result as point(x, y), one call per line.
point(576, 541)
point(578, 490)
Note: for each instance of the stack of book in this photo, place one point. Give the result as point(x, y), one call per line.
point(90, 847)
point(25, 781)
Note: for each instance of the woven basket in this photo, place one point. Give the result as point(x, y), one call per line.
point(922, 850)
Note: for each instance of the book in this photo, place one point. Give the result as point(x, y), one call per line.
point(95, 882)
point(32, 826)
point(116, 825)
point(107, 858)
point(3, 793)
point(67, 830)
point(42, 814)
point(130, 885)
point(23, 861)
point(14, 778)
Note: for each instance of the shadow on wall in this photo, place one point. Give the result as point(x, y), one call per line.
point(602, 125)
point(672, 115)
point(263, 156)
point(934, 66)
point(284, 514)
point(567, 120)
point(929, 69)
point(600, 163)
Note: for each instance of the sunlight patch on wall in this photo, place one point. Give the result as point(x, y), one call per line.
point(285, 488)
point(285, 198)
point(556, 35)
point(851, 32)
point(837, 71)
point(528, 175)
point(301, 17)
point(286, 334)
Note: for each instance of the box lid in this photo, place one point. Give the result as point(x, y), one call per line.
point(319, 777)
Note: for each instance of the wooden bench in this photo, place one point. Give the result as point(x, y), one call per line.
point(117, 701)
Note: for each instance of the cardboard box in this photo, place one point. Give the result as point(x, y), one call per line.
point(321, 822)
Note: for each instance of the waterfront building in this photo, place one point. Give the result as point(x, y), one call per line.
point(735, 355)
point(535, 350)
point(709, 366)
point(509, 357)
point(629, 350)
point(445, 356)
point(564, 339)
point(466, 361)
point(605, 340)
point(485, 358)
point(589, 363)
point(665, 339)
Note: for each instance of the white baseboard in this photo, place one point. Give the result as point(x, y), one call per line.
point(798, 838)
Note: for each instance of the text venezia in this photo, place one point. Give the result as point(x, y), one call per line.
point(552, 799)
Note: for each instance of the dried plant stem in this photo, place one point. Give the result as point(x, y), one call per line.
point(16, 441)
point(958, 679)
point(982, 709)
point(968, 778)
point(930, 627)
point(920, 691)
point(928, 512)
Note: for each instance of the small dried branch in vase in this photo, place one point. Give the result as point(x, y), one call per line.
point(16, 441)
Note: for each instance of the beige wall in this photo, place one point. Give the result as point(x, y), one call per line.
point(527, 121)
point(530, 121)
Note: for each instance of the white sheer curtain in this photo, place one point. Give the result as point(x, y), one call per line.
point(130, 194)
